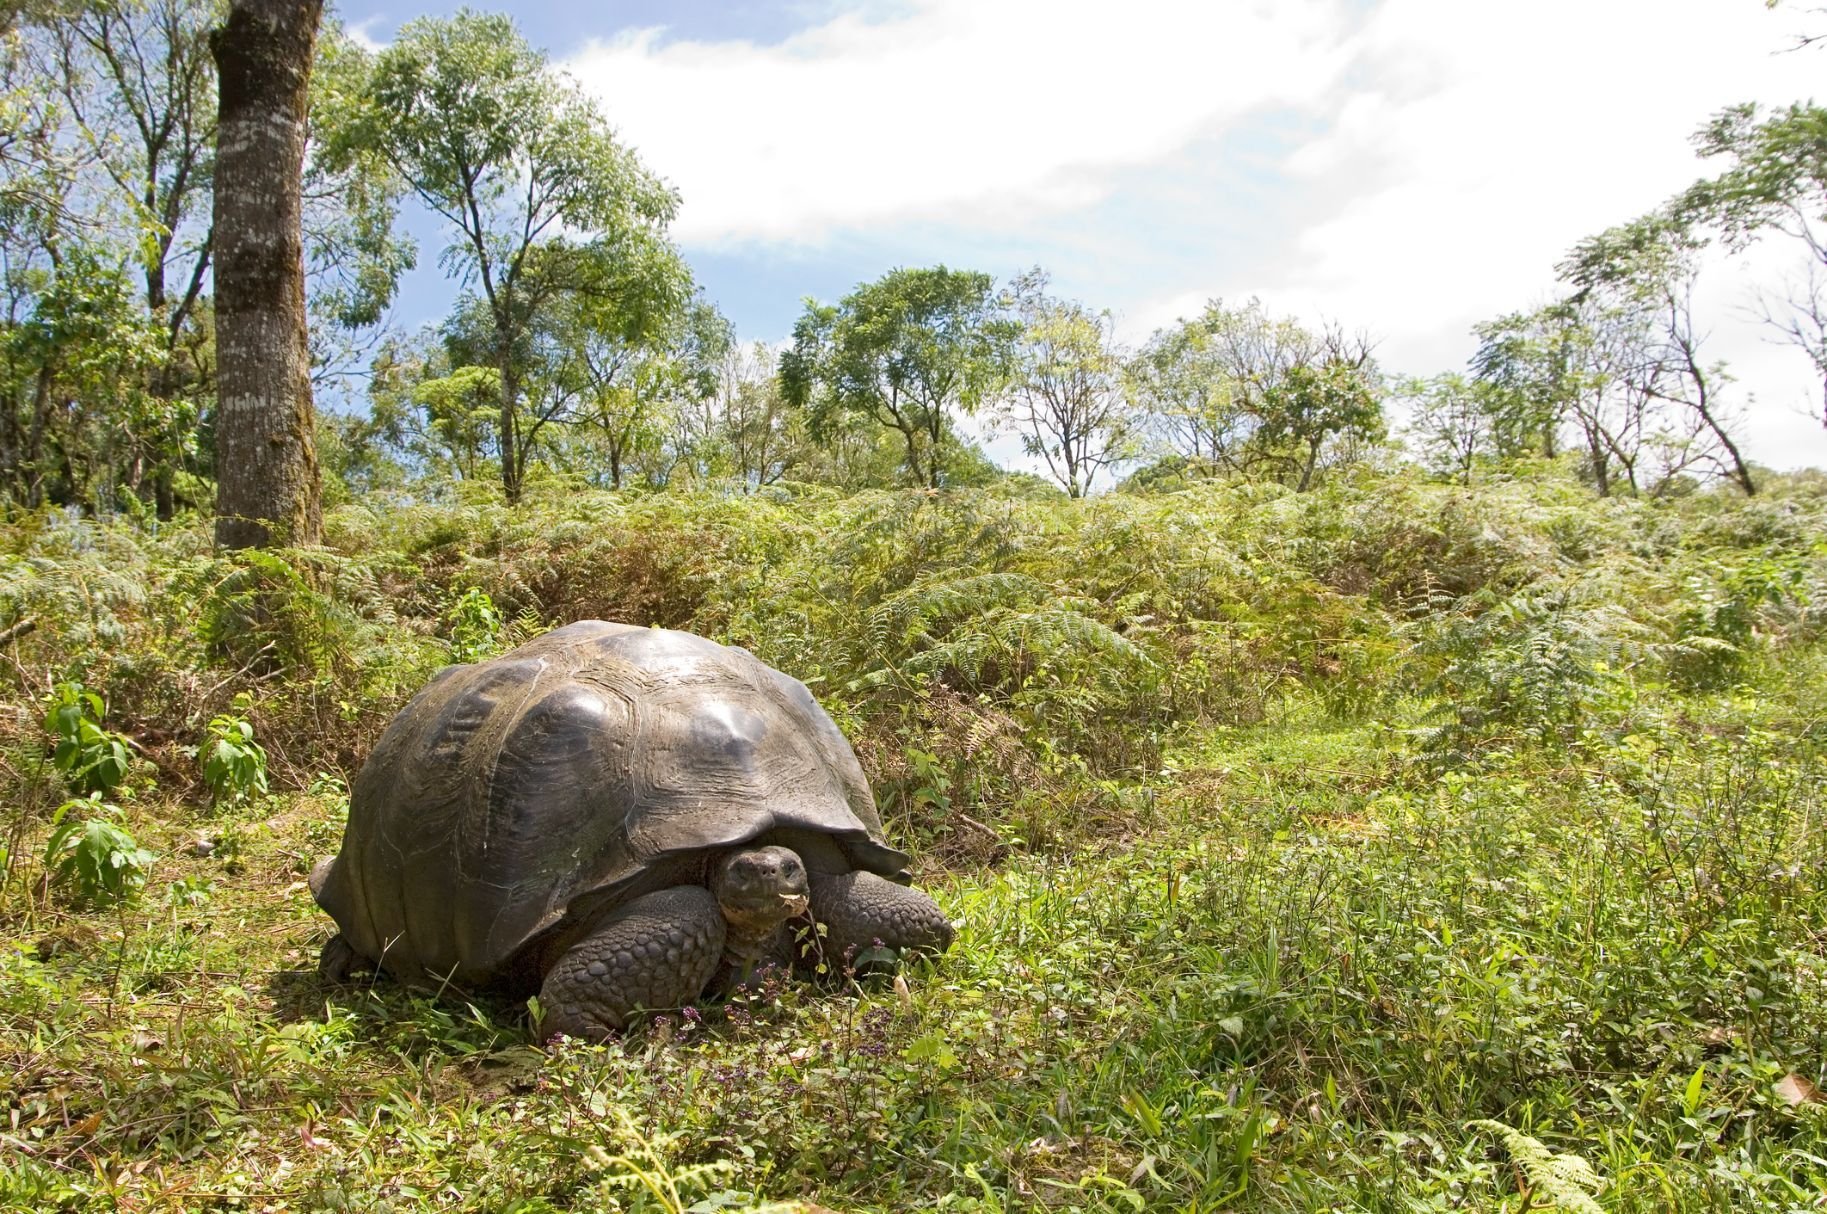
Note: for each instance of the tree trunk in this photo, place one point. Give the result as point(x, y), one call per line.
point(512, 458)
point(266, 456)
point(1601, 465)
point(34, 448)
point(1306, 473)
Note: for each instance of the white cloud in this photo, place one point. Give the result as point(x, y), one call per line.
point(1455, 150)
point(362, 34)
point(951, 109)
point(1474, 145)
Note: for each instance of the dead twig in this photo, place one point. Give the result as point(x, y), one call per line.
point(24, 626)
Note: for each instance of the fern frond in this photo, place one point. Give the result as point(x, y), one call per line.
point(1564, 1179)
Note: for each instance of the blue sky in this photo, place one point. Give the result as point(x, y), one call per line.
point(1404, 167)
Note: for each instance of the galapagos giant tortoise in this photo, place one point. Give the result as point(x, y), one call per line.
point(615, 818)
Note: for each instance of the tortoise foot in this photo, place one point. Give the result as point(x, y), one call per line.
point(657, 952)
point(860, 911)
point(339, 961)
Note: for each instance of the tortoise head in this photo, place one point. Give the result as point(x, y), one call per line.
point(759, 888)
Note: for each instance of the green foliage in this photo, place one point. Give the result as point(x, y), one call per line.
point(86, 337)
point(1565, 1181)
point(1455, 422)
point(906, 353)
point(1530, 664)
point(91, 758)
point(475, 626)
point(545, 208)
point(354, 252)
point(1237, 391)
point(1234, 934)
point(1775, 174)
point(1716, 621)
point(234, 765)
point(1066, 395)
point(462, 409)
point(90, 851)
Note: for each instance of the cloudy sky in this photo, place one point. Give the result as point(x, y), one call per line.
point(1405, 167)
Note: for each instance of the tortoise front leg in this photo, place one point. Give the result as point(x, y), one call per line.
point(338, 962)
point(657, 952)
point(859, 910)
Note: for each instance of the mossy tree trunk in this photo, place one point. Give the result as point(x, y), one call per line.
point(268, 485)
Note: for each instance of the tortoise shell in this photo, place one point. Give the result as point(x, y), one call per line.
point(571, 774)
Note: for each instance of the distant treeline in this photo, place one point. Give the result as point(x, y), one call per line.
point(578, 345)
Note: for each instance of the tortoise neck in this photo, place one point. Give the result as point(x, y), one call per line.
point(749, 940)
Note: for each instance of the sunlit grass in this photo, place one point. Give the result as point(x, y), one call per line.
point(1230, 938)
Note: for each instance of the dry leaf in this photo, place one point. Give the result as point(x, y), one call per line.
point(87, 1125)
point(1797, 1091)
point(902, 992)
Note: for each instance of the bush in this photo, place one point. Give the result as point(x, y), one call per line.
point(92, 759)
point(92, 853)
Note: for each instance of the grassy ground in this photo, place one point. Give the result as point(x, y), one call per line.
point(1279, 935)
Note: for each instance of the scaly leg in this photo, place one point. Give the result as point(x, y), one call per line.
point(657, 952)
point(859, 909)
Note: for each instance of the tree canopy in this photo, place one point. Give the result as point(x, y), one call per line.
point(542, 204)
point(911, 352)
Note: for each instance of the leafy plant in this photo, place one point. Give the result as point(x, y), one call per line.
point(1549, 1180)
point(91, 758)
point(90, 849)
point(1716, 624)
point(1527, 666)
point(475, 626)
point(234, 764)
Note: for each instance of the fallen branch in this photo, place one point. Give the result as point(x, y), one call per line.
point(17, 629)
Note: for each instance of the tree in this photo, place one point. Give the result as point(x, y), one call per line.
point(1315, 402)
point(1651, 264)
point(907, 352)
point(742, 429)
point(1618, 369)
point(36, 169)
point(1775, 181)
point(135, 80)
point(765, 436)
point(1580, 361)
point(627, 349)
point(460, 411)
point(1237, 391)
point(107, 152)
point(1521, 371)
point(268, 483)
point(1449, 421)
point(1182, 385)
point(516, 160)
point(74, 334)
point(1454, 421)
point(354, 252)
point(430, 417)
point(1066, 388)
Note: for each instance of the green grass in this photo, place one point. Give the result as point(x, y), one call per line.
point(1239, 940)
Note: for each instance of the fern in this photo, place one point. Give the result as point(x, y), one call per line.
point(1566, 1182)
point(915, 612)
point(645, 1169)
point(1530, 664)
